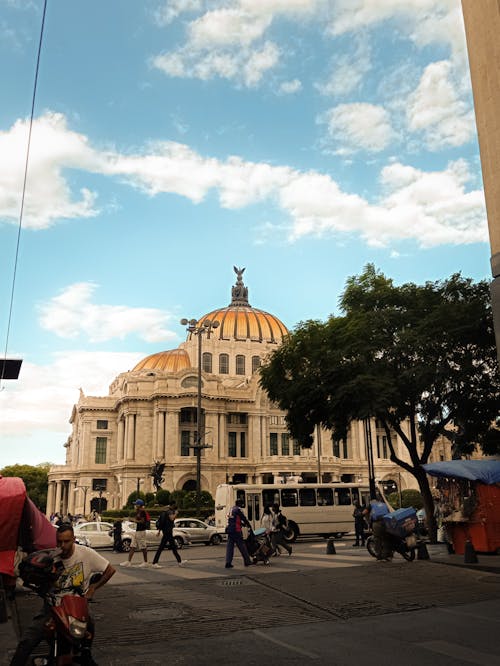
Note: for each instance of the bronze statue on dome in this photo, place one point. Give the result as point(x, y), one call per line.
point(239, 293)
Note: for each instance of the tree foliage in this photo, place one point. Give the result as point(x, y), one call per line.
point(420, 359)
point(409, 497)
point(35, 479)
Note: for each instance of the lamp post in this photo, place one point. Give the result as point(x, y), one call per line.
point(193, 328)
point(369, 455)
point(100, 490)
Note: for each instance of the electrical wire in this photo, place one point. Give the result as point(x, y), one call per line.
point(21, 211)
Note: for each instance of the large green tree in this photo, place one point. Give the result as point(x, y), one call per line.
point(35, 480)
point(420, 359)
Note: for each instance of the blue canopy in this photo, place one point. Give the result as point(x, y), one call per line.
point(486, 471)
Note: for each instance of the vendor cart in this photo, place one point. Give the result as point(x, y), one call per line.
point(469, 502)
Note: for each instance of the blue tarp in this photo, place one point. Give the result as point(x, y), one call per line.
point(485, 471)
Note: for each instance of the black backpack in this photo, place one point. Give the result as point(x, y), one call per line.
point(160, 522)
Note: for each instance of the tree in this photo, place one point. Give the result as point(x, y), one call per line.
point(35, 479)
point(420, 359)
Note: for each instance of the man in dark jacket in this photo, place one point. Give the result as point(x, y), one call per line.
point(166, 527)
point(236, 519)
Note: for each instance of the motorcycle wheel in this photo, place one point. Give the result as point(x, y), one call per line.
point(371, 547)
point(409, 555)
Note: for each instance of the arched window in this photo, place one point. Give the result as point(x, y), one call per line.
point(240, 364)
point(224, 364)
point(255, 363)
point(206, 363)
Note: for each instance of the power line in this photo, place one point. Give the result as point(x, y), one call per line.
point(21, 211)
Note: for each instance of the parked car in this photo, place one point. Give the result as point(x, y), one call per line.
point(97, 533)
point(198, 531)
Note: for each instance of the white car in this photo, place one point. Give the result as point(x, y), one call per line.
point(198, 531)
point(96, 533)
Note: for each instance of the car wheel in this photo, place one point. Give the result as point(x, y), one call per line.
point(178, 542)
point(215, 540)
point(126, 545)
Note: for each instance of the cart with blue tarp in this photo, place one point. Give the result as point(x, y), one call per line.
point(469, 502)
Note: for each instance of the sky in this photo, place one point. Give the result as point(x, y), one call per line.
point(173, 140)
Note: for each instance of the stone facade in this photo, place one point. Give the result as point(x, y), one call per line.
point(150, 415)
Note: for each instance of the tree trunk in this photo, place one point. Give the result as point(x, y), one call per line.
point(430, 519)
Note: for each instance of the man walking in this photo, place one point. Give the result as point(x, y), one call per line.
point(166, 527)
point(235, 521)
point(139, 541)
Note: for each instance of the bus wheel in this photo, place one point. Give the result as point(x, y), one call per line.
point(292, 532)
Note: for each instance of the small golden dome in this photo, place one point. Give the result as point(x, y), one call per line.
point(166, 361)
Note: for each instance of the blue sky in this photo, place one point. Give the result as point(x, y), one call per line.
point(175, 139)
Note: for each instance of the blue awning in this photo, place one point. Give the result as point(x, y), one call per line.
point(485, 471)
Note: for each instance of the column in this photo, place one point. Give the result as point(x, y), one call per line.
point(121, 440)
point(71, 496)
point(160, 434)
point(171, 437)
point(50, 499)
point(130, 427)
point(57, 507)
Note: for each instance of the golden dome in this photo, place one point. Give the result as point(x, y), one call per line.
point(240, 322)
point(166, 361)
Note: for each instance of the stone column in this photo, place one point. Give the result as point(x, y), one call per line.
point(71, 496)
point(172, 439)
point(50, 498)
point(57, 507)
point(121, 440)
point(160, 435)
point(130, 428)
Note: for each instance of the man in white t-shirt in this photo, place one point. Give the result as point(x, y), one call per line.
point(79, 563)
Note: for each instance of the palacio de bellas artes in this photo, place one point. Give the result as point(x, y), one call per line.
point(150, 412)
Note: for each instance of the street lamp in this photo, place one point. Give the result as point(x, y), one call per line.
point(198, 330)
point(369, 455)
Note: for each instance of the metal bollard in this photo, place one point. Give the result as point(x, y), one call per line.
point(330, 547)
point(470, 556)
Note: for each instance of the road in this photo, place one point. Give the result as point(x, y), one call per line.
point(312, 606)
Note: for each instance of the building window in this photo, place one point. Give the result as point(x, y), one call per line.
point(345, 450)
point(207, 362)
point(101, 444)
point(296, 448)
point(224, 364)
point(273, 443)
point(382, 448)
point(336, 448)
point(231, 447)
point(277, 420)
point(243, 445)
point(187, 415)
point(99, 484)
point(285, 444)
point(240, 364)
point(185, 441)
point(237, 418)
point(255, 363)
point(102, 425)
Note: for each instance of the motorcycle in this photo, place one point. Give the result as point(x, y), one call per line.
point(405, 547)
point(68, 628)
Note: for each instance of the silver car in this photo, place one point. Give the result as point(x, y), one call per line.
point(198, 531)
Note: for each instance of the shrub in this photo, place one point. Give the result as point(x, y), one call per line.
point(410, 497)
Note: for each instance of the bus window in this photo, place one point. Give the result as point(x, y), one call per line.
point(253, 507)
point(289, 497)
point(355, 495)
point(325, 497)
point(240, 495)
point(307, 497)
point(270, 496)
point(342, 496)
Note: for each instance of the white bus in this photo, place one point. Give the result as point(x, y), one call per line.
point(311, 508)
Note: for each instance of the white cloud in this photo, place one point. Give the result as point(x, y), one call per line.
point(53, 149)
point(359, 126)
point(171, 9)
point(313, 201)
point(347, 70)
point(435, 109)
point(290, 87)
point(43, 396)
point(72, 314)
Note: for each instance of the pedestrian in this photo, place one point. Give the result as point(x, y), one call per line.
point(236, 519)
point(382, 541)
point(166, 527)
point(78, 565)
point(117, 536)
point(139, 537)
point(278, 531)
point(267, 519)
point(359, 523)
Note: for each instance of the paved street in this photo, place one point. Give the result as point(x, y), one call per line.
point(341, 609)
